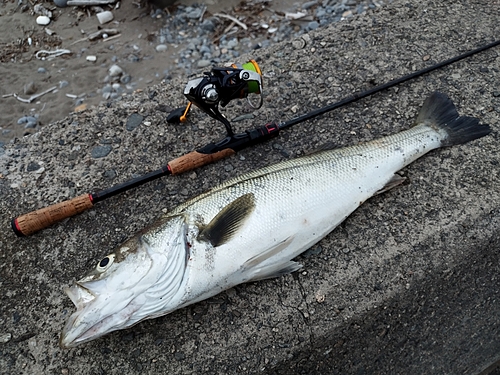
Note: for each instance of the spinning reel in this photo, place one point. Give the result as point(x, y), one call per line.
point(219, 87)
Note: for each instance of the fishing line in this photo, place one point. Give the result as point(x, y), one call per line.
point(207, 93)
point(357, 96)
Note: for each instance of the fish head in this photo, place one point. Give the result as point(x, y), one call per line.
point(141, 279)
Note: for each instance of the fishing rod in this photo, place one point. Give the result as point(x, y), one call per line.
point(217, 87)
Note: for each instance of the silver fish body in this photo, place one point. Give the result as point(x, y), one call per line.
point(251, 227)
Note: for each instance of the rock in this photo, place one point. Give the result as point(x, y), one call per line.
point(30, 121)
point(309, 4)
point(313, 25)
point(43, 20)
point(101, 151)
point(81, 107)
point(125, 79)
point(32, 167)
point(91, 58)
point(109, 174)
point(29, 88)
point(161, 48)
point(115, 70)
point(61, 3)
point(40, 9)
point(5, 337)
point(203, 63)
point(134, 121)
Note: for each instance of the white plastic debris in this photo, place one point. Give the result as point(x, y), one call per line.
point(104, 17)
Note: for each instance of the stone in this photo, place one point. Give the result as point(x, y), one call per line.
point(134, 121)
point(43, 20)
point(101, 151)
point(161, 48)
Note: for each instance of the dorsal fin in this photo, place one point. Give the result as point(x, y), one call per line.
point(227, 222)
point(327, 146)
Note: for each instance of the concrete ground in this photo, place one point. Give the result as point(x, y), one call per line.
point(409, 284)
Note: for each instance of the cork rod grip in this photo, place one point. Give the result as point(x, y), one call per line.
point(34, 221)
point(196, 159)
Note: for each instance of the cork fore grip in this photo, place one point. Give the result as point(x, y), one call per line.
point(34, 221)
point(197, 159)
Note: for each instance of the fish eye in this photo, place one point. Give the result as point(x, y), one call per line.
point(105, 262)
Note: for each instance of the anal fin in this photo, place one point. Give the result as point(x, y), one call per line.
point(276, 270)
point(393, 182)
point(256, 272)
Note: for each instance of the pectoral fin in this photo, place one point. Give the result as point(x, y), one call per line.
point(227, 222)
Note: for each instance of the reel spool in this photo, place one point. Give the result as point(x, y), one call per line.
point(219, 87)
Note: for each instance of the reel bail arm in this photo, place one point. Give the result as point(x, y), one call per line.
point(219, 87)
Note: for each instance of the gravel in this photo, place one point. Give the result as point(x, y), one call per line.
point(203, 40)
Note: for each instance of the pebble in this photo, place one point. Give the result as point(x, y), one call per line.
point(161, 48)
point(61, 3)
point(91, 58)
point(32, 167)
point(313, 25)
point(42, 70)
point(5, 337)
point(183, 27)
point(101, 151)
point(203, 63)
point(43, 20)
point(29, 121)
point(134, 121)
point(115, 70)
point(109, 174)
point(194, 14)
point(179, 356)
point(125, 78)
point(29, 88)
point(309, 4)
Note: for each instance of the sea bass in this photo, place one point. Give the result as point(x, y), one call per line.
point(251, 227)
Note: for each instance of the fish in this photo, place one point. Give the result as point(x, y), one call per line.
point(251, 227)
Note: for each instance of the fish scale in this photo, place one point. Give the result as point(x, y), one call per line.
point(250, 227)
point(341, 179)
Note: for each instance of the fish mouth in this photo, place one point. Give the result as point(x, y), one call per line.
point(75, 329)
point(84, 324)
point(79, 295)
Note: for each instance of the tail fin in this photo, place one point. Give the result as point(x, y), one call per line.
point(439, 112)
